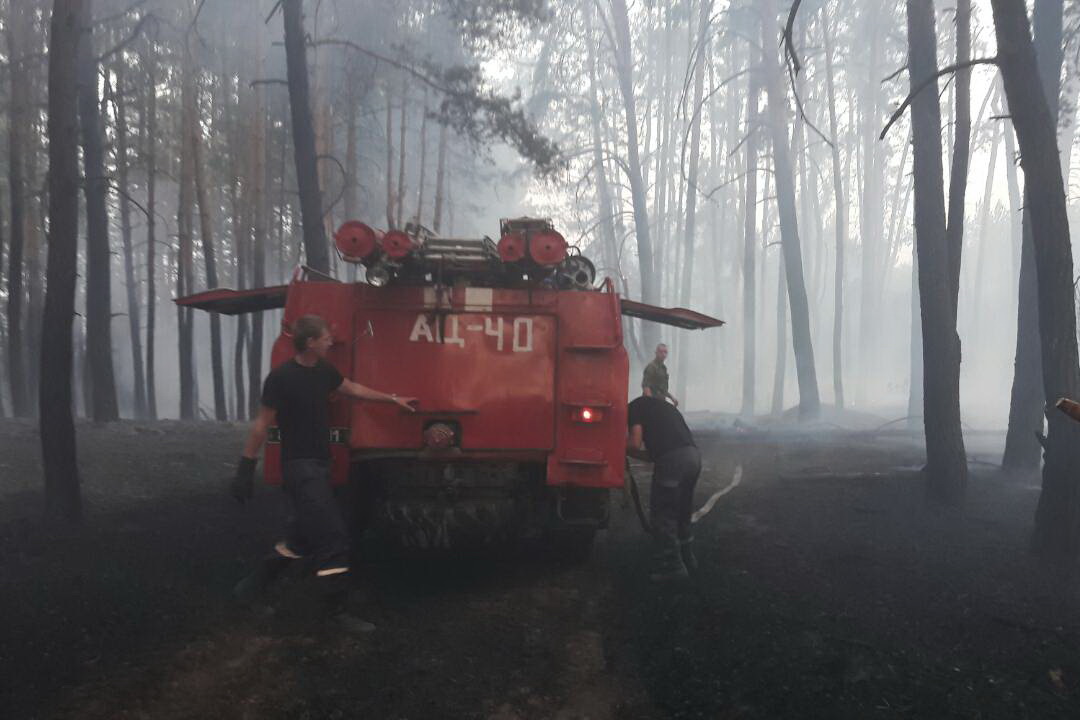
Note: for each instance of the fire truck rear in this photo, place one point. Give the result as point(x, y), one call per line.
point(518, 362)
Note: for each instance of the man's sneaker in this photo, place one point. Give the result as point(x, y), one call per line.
point(353, 624)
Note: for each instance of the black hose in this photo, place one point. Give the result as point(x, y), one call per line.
point(632, 483)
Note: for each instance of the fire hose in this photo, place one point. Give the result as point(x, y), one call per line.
point(701, 512)
point(632, 484)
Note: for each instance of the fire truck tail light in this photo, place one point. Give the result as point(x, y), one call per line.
point(511, 247)
point(356, 241)
point(547, 247)
point(588, 415)
point(397, 244)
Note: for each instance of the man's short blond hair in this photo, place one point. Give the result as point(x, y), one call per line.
point(307, 327)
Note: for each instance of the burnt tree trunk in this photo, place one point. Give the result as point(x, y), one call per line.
point(400, 196)
point(841, 225)
point(440, 180)
point(303, 131)
point(423, 160)
point(122, 170)
point(389, 159)
point(1057, 519)
point(954, 229)
point(780, 367)
point(624, 67)
point(150, 152)
point(185, 265)
point(1027, 400)
point(702, 50)
point(946, 461)
point(62, 495)
point(98, 256)
point(17, 143)
point(206, 232)
point(749, 269)
point(259, 241)
point(809, 399)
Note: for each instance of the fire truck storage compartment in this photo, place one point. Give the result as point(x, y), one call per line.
point(483, 360)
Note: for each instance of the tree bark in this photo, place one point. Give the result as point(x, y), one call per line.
point(702, 50)
point(389, 159)
point(131, 283)
point(206, 232)
point(624, 67)
point(809, 399)
point(839, 196)
point(98, 255)
point(400, 196)
point(749, 269)
point(17, 142)
point(150, 151)
point(1057, 519)
point(440, 179)
point(871, 203)
point(185, 266)
point(946, 461)
point(954, 229)
point(780, 367)
point(423, 161)
point(1022, 450)
point(260, 173)
point(307, 166)
point(63, 499)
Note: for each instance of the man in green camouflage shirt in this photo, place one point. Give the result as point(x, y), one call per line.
point(654, 383)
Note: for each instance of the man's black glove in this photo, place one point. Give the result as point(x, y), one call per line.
point(243, 485)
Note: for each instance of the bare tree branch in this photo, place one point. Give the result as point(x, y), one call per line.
point(129, 40)
point(789, 44)
point(932, 79)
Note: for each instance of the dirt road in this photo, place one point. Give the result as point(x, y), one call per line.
point(827, 589)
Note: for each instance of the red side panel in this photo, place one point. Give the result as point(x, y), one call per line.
point(593, 371)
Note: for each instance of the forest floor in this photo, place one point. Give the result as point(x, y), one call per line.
point(827, 589)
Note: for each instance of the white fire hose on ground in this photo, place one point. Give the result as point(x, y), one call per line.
point(701, 512)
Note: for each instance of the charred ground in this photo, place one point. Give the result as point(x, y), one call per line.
point(827, 589)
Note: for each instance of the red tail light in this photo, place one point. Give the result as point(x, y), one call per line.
point(511, 247)
point(588, 415)
point(547, 247)
point(356, 241)
point(397, 244)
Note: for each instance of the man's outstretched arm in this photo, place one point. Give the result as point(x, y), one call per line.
point(362, 392)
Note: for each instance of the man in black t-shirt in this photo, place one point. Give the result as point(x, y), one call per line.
point(659, 433)
point(295, 398)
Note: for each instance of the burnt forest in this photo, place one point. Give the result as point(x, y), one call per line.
point(539, 359)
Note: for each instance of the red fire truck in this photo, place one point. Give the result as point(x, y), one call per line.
point(516, 356)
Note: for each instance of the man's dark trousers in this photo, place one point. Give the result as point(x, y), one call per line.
point(671, 500)
point(317, 528)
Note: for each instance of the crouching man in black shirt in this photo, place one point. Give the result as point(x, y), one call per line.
point(295, 398)
point(659, 433)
